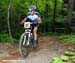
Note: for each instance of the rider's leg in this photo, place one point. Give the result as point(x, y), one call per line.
point(35, 37)
point(35, 33)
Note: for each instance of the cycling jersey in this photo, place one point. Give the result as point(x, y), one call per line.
point(33, 18)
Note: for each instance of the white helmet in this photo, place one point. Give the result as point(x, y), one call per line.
point(32, 8)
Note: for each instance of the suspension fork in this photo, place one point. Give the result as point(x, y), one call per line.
point(29, 35)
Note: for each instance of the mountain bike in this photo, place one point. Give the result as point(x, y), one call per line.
point(26, 40)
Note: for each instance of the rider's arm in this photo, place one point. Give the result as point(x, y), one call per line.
point(39, 20)
point(23, 20)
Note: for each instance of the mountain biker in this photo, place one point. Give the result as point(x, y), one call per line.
point(36, 18)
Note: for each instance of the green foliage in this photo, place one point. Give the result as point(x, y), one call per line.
point(19, 8)
point(3, 14)
point(64, 58)
point(56, 60)
point(68, 38)
point(68, 57)
point(6, 38)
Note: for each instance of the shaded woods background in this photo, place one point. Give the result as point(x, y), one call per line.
point(57, 15)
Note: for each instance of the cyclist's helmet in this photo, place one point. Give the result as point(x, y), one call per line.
point(32, 8)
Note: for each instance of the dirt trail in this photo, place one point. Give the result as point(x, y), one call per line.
point(49, 47)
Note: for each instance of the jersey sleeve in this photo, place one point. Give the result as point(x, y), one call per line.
point(37, 13)
point(26, 16)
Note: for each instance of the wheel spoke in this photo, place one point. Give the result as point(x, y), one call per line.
point(22, 45)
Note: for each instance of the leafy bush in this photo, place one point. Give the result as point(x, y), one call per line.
point(56, 60)
point(68, 57)
point(6, 38)
point(68, 38)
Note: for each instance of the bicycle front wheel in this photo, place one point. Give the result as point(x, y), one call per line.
point(22, 45)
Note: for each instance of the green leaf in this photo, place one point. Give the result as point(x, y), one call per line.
point(64, 57)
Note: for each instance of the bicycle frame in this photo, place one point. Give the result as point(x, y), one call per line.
point(26, 39)
point(28, 29)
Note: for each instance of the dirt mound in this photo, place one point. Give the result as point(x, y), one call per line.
point(48, 47)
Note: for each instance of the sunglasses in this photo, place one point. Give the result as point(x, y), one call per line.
point(30, 11)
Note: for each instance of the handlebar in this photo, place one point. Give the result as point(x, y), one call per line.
point(36, 23)
point(33, 22)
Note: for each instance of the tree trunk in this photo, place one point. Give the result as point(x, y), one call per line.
point(8, 21)
point(54, 16)
point(65, 1)
point(47, 9)
point(31, 2)
point(69, 15)
point(46, 14)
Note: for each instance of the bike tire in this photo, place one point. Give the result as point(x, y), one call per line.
point(22, 48)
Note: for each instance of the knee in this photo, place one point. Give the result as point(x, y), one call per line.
point(35, 31)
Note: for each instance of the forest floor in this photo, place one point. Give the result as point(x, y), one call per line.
point(48, 47)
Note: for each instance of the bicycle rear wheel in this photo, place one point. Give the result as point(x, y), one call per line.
point(23, 49)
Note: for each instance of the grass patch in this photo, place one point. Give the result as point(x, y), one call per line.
point(67, 57)
point(68, 38)
point(6, 38)
point(50, 33)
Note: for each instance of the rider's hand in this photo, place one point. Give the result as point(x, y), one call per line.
point(35, 22)
point(21, 23)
